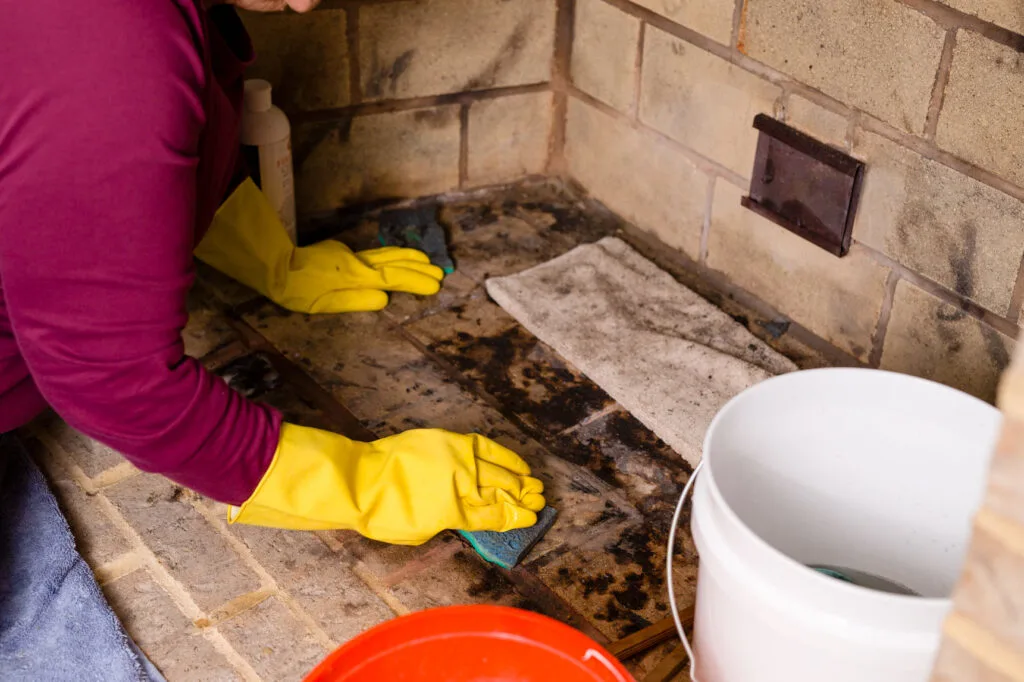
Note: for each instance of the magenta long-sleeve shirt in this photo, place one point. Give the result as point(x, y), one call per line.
point(118, 139)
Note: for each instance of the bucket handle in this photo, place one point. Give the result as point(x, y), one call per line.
point(668, 570)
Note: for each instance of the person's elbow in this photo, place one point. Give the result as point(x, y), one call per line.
point(146, 409)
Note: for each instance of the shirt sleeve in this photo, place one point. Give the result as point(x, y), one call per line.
point(101, 113)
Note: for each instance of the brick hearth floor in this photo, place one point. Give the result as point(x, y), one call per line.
point(209, 602)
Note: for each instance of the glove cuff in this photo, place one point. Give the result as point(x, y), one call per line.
point(247, 242)
point(305, 487)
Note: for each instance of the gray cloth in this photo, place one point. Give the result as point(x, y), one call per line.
point(664, 353)
point(55, 624)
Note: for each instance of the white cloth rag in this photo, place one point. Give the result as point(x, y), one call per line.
point(664, 353)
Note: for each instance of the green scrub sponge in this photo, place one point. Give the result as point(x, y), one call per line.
point(508, 548)
point(416, 228)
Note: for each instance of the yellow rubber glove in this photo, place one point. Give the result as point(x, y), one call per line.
point(403, 489)
point(247, 242)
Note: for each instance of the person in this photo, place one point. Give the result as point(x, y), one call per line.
point(119, 128)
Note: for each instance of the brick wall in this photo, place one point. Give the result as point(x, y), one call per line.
point(984, 636)
point(397, 99)
point(648, 105)
point(930, 95)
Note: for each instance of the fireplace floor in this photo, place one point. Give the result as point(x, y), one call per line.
point(207, 601)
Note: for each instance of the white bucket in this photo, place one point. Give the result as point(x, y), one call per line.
point(862, 469)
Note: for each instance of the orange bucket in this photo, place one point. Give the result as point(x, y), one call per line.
point(471, 644)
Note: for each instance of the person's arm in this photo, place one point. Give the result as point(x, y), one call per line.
point(98, 157)
point(97, 201)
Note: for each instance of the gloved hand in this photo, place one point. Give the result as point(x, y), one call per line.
point(247, 242)
point(403, 489)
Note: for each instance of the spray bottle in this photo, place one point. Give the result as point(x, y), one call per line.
point(267, 147)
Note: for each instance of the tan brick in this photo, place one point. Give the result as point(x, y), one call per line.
point(952, 229)
point(1011, 400)
point(166, 636)
point(618, 583)
point(509, 244)
point(702, 100)
point(318, 580)
point(713, 18)
point(876, 55)
point(357, 357)
point(222, 287)
point(1005, 495)
point(432, 47)
point(604, 53)
point(837, 298)
point(991, 588)
point(956, 664)
point(617, 447)
point(405, 307)
point(304, 56)
point(981, 114)
point(392, 564)
point(457, 332)
point(638, 175)
point(508, 137)
point(98, 540)
point(402, 154)
point(192, 551)
point(273, 641)
point(816, 121)
point(505, 361)
point(92, 456)
point(206, 331)
point(253, 375)
point(1005, 13)
point(96, 537)
point(463, 578)
point(937, 341)
point(207, 328)
point(645, 663)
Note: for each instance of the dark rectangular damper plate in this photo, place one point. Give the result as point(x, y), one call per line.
point(804, 185)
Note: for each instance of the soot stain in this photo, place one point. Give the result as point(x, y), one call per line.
point(634, 548)
point(587, 455)
point(252, 375)
point(506, 57)
point(996, 347)
point(775, 328)
point(436, 118)
point(492, 585)
point(610, 513)
point(551, 397)
point(582, 487)
point(384, 78)
point(621, 451)
point(567, 218)
point(315, 134)
point(961, 262)
point(613, 613)
point(635, 436)
point(527, 604)
point(632, 595)
point(470, 217)
point(599, 584)
point(631, 592)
